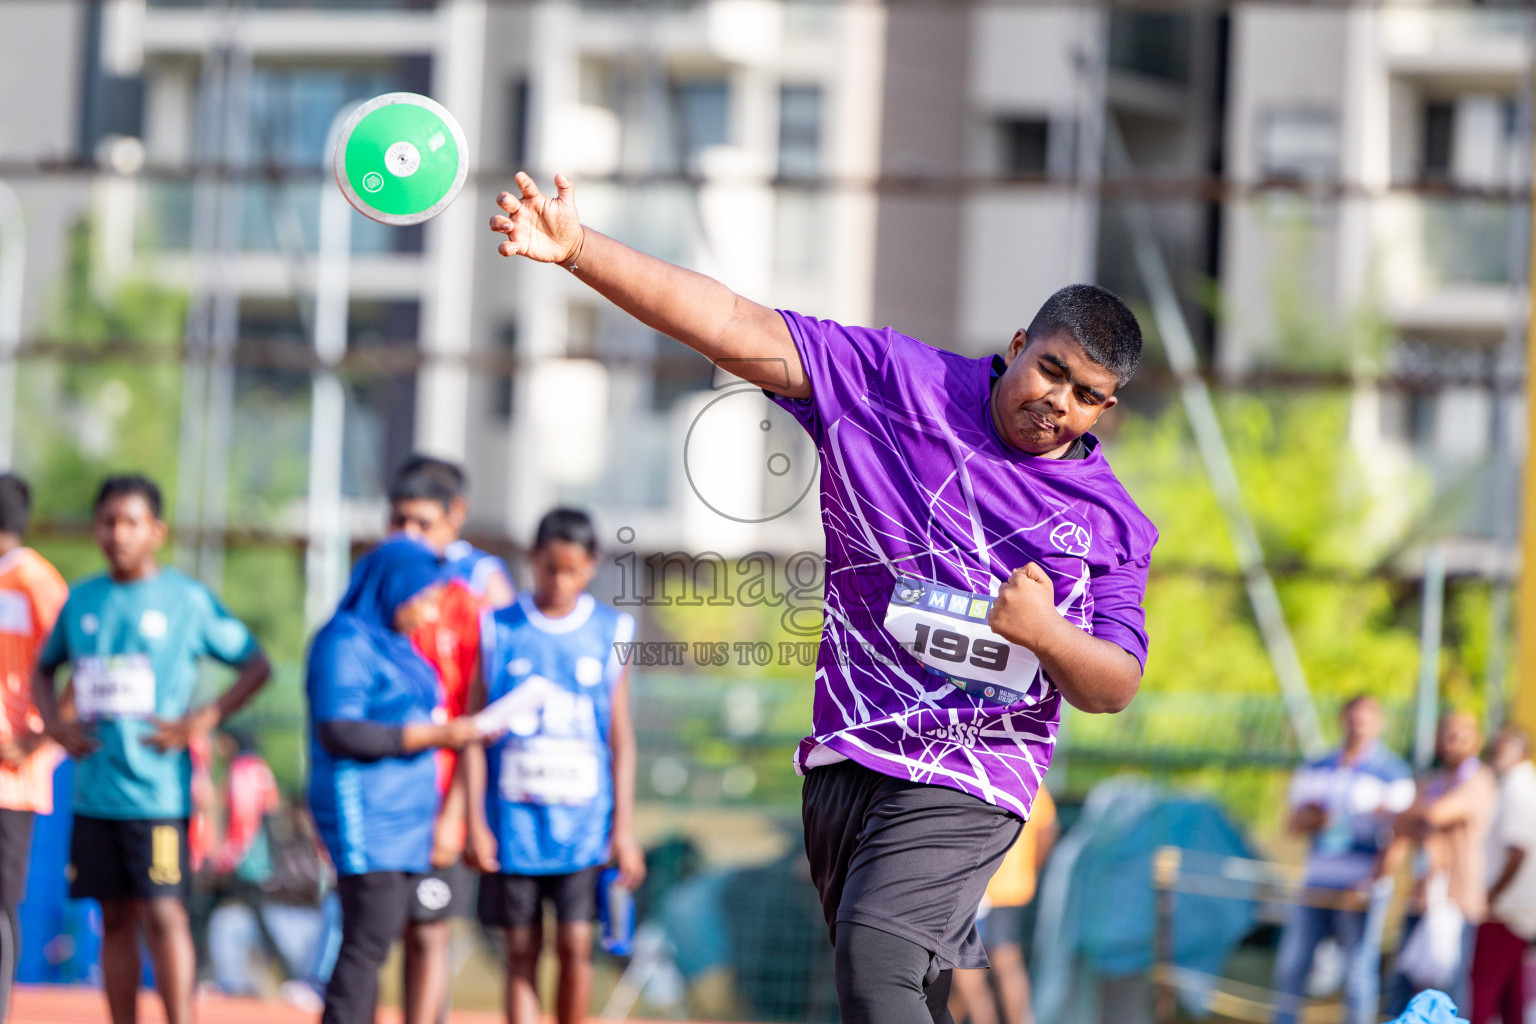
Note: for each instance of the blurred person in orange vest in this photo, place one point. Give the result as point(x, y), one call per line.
point(1002, 926)
point(427, 502)
point(31, 594)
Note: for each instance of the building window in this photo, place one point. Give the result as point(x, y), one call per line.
point(503, 378)
point(1473, 140)
point(1299, 145)
point(799, 131)
point(1150, 43)
point(700, 117)
point(1024, 147)
point(1439, 139)
point(517, 123)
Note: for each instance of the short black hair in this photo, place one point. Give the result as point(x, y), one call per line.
point(571, 525)
point(126, 485)
point(15, 504)
point(425, 478)
point(1097, 320)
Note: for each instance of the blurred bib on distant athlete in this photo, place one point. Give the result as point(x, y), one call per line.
point(946, 629)
point(550, 771)
point(119, 686)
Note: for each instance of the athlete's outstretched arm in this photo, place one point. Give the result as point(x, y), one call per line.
point(1096, 676)
point(735, 333)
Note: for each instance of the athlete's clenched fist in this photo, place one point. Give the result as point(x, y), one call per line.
point(1025, 606)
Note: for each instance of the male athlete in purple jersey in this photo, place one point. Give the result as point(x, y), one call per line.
point(983, 564)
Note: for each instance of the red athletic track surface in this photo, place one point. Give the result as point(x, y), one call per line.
point(77, 1004)
point(73, 1004)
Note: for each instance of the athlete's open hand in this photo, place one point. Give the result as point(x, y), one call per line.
point(1025, 607)
point(630, 857)
point(543, 229)
point(179, 732)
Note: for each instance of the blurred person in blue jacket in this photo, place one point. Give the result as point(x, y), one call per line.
point(1345, 804)
point(373, 782)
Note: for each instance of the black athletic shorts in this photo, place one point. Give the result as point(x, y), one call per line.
point(15, 848)
point(128, 859)
point(515, 901)
point(442, 893)
point(1003, 926)
point(903, 857)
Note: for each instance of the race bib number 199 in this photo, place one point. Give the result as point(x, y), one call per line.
point(946, 629)
point(119, 686)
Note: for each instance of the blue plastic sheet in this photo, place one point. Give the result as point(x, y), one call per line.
point(1097, 904)
point(1431, 1007)
point(61, 937)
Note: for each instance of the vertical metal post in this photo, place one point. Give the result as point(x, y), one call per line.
point(13, 261)
point(219, 411)
point(1195, 396)
point(1506, 396)
point(207, 409)
point(325, 562)
point(1524, 705)
point(1430, 632)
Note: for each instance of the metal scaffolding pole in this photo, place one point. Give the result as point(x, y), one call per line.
point(325, 562)
point(213, 320)
point(1523, 708)
point(1183, 361)
point(1431, 631)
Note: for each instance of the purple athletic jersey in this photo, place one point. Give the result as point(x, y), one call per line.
point(916, 482)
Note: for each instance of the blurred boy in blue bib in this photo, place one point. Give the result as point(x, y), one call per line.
point(552, 800)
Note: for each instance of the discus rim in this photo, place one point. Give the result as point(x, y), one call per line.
point(357, 201)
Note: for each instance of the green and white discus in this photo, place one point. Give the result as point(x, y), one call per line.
point(401, 158)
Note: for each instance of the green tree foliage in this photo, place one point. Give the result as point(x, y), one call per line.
point(1355, 626)
point(88, 417)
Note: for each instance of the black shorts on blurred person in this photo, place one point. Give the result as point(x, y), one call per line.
point(114, 859)
point(1003, 926)
point(443, 893)
point(15, 845)
point(517, 901)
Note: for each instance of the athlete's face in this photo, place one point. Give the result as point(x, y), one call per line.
point(1051, 394)
point(427, 520)
point(562, 571)
point(421, 610)
point(128, 533)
